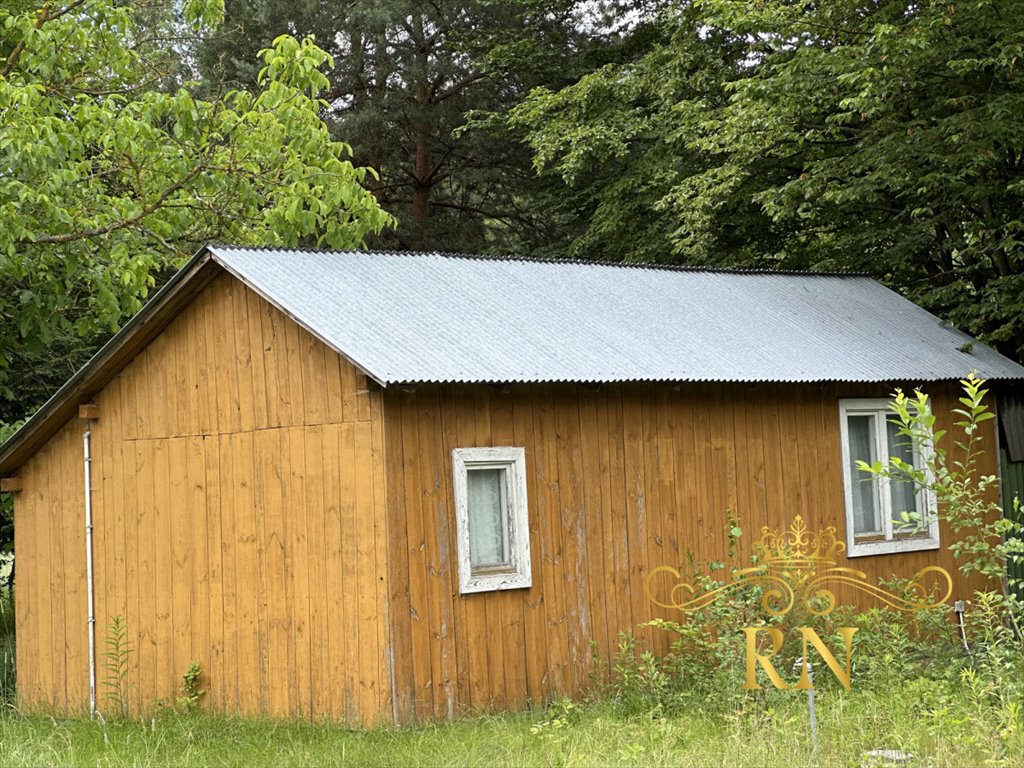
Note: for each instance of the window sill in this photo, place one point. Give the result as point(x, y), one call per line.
point(892, 547)
point(495, 583)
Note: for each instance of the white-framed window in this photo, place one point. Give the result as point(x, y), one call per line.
point(492, 530)
point(882, 515)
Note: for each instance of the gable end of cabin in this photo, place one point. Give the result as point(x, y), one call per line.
point(237, 486)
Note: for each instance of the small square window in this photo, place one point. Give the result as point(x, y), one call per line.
point(882, 515)
point(491, 519)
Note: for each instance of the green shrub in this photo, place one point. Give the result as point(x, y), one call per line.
point(705, 666)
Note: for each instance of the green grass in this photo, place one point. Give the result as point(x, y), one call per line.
point(941, 729)
point(7, 671)
point(912, 694)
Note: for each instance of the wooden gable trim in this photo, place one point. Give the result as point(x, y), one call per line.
point(133, 337)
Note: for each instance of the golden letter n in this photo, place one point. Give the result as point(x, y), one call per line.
point(764, 659)
point(842, 675)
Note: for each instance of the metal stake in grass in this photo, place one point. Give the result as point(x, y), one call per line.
point(799, 665)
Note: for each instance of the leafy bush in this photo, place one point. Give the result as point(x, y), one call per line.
point(705, 663)
point(915, 658)
point(910, 672)
point(986, 539)
point(997, 655)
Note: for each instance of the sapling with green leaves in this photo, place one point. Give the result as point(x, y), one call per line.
point(986, 539)
point(115, 667)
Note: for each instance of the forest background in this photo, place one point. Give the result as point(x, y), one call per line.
point(879, 137)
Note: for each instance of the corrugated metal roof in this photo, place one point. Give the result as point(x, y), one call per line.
point(427, 317)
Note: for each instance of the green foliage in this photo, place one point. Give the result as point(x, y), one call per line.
point(986, 539)
point(619, 138)
point(404, 76)
point(559, 714)
point(116, 658)
point(191, 693)
point(881, 138)
point(7, 515)
point(911, 663)
point(994, 626)
point(705, 665)
point(110, 181)
point(899, 657)
point(896, 645)
point(8, 670)
point(733, 532)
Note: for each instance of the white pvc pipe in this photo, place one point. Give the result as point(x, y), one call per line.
point(89, 571)
point(959, 607)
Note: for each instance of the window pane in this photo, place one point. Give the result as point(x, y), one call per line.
point(861, 430)
point(902, 493)
point(488, 517)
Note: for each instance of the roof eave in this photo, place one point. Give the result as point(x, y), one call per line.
point(131, 339)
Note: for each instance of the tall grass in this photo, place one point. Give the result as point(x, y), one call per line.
point(940, 727)
point(913, 690)
point(7, 670)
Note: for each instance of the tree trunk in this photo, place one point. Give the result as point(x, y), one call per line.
point(422, 181)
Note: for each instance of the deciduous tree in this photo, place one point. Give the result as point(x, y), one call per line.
point(883, 137)
point(106, 181)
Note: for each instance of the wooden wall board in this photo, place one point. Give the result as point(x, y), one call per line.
point(620, 481)
point(233, 528)
point(264, 510)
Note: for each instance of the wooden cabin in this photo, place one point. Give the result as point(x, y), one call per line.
point(398, 487)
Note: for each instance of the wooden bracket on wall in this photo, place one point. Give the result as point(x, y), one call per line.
point(89, 411)
point(10, 484)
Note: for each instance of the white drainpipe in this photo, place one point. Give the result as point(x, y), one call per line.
point(89, 572)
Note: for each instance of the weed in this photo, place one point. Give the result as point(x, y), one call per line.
point(191, 694)
point(115, 666)
point(561, 714)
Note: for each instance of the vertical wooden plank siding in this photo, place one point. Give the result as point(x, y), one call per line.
point(512, 609)
point(75, 643)
point(225, 463)
point(263, 511)
point(335, 635)
point(619, 481)
point(29, 524)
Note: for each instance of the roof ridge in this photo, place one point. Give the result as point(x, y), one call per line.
point(556, 260)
